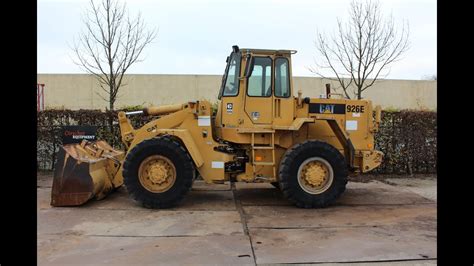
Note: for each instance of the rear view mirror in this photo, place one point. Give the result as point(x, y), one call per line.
point(249, 66)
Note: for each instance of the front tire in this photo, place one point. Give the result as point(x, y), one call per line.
point(158, 173)
point(313, 174)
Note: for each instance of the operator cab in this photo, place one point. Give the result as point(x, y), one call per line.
point(256, 90)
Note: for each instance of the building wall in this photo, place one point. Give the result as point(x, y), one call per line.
point(81, 91)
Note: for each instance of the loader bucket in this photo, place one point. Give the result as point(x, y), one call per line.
point(85, 171)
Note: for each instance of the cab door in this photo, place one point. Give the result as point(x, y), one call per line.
point(259, 98)
point(283, 100)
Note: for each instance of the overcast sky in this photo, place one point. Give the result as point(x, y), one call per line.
point(195, 37)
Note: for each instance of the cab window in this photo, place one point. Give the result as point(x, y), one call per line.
point(282, 81)
point(260, 80)
point(231, 85)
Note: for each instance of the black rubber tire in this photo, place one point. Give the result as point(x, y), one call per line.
point(288, 172)
point(275, 184)
point(171, 149)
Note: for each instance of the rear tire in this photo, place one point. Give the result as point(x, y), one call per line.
point(313, 174)
point(174, 176)
point(275, 184)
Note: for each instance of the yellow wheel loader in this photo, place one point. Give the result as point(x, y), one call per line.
point(261, 132)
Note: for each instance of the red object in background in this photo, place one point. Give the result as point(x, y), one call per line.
point(39, 97)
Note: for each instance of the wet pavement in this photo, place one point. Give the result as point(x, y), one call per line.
point(246, 224)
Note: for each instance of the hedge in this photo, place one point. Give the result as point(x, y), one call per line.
point(407, 138)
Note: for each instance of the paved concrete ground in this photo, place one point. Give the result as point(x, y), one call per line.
point(423, 186)
point(249, 224)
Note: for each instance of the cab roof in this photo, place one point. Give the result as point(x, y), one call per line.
point(267, 51)
point(236, 48)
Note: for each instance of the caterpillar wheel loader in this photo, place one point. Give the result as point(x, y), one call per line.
point(306, 147)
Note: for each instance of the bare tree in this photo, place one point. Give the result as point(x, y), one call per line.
point(362, 49)
point(111, 43)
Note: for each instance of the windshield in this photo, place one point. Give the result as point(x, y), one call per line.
point(230, 80)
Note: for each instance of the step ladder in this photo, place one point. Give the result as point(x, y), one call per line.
point(264, 147)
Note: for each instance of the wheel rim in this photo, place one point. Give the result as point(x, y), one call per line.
point(157, 174)
point(315, 175)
